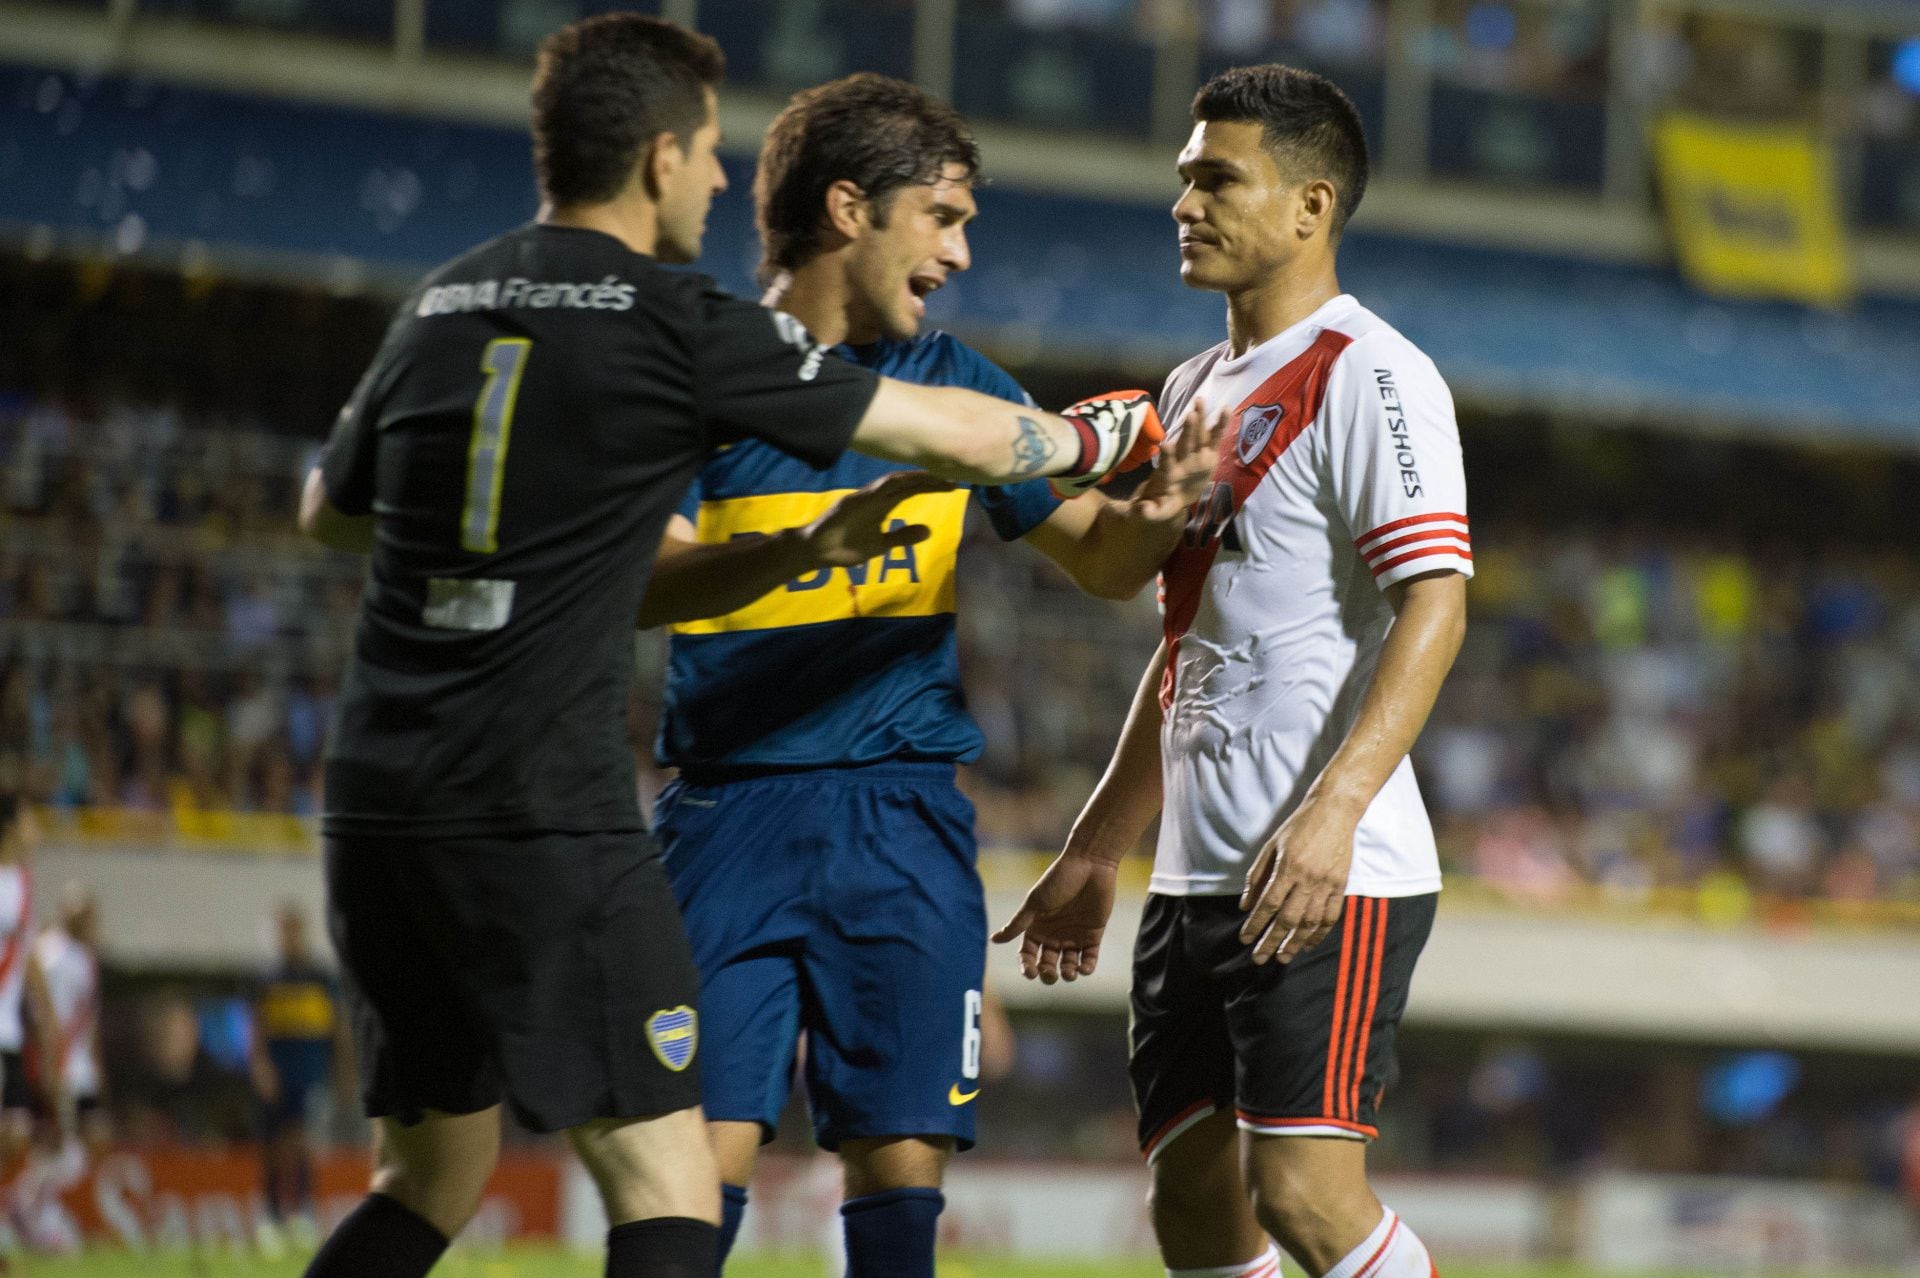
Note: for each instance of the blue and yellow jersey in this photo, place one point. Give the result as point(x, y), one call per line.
point(295, 1003)
point(844, 666)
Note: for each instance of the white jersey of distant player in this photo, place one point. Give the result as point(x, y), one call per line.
point(73, 986)
point(1344, 461)
point(16, 918)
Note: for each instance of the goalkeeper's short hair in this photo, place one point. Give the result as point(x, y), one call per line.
point(603, 89)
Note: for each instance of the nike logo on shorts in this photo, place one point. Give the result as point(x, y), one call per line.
point(957, 1097)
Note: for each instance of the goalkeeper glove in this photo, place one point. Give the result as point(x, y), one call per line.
point(1119, 431)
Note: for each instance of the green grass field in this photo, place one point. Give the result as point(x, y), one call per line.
point(553, 1264)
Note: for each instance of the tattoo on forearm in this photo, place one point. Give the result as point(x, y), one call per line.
point(1032, 449)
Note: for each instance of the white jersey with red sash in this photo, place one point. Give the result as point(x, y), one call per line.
point(73, 987)
point(16, 937)
point(1339, 476)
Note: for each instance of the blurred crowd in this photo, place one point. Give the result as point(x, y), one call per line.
point(1634, 709)
point(1520, 90)
point(170, 642)
point(1716, 60)
point(1640, 709)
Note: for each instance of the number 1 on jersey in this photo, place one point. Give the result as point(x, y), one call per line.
point(503, 361)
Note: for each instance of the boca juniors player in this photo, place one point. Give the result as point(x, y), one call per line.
point(822, 855)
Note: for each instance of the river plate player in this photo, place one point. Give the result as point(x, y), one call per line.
point(1312, 610)
point(510, 461)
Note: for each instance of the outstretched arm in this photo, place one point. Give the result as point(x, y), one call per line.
point(1296, 888)
point(1064, 918)
point(693, 580)
point(973, 438)
point(1113, 548)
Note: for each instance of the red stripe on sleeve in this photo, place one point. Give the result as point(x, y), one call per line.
point(1408, 522)
point(1443, 534)
point(1455, 551)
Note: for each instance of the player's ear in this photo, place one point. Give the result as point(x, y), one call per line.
point(1317, 201)
point(665, 158)
point(847, 209)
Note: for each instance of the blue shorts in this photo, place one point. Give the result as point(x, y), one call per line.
point(843, 904)
point(303, 1066)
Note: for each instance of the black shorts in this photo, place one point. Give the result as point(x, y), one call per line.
point(15, 1093)
point(1300, 1049)
point(548, 970)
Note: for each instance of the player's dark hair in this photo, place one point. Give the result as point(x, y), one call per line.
point(1309, 125)
point(876, 132)
point(603, 88)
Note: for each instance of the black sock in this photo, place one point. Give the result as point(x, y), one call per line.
point(381, 1238)
point(665, 1247)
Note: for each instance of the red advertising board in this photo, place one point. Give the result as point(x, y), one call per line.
point(148, 1197)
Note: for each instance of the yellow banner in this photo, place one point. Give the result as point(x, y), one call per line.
point(913, 581)
point(1755, 210)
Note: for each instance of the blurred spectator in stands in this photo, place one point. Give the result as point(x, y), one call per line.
point(1745, 67)
point(1337, 32)
point(1781, 837)
point(1240, 28)
point(1111, 14)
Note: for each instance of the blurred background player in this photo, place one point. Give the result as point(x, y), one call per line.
point(481, 814)
point(67, 952)
point(822, 854)
point(298, 1052)
point(1312, 611)
point(27, 1022)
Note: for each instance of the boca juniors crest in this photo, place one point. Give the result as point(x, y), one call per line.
point(1257, 425)
point(674, 1036)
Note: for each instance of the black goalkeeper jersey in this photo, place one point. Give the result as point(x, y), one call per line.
point(535, 414)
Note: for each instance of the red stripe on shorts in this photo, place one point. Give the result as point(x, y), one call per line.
point(1339, 1007)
